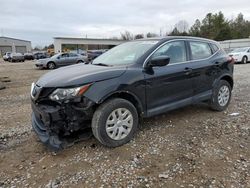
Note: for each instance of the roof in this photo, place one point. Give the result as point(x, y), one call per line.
point(166, 38)
point(80, 38)
point(14, 39)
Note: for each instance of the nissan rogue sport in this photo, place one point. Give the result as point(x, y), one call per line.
point(134, 80)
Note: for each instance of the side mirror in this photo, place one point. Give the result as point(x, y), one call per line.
point(58, 57)
point(159, 61)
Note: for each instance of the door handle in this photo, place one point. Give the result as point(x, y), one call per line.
point(188, 71)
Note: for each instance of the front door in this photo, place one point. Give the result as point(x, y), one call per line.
point(64, 59)
point(169, 87)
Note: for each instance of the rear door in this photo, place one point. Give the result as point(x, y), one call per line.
point(170, 86)
point(203, 68)
point(73, 58)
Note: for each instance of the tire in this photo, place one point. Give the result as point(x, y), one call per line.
point(244, 60)
point(100, 123)
point(221, 96)
point(51, 65)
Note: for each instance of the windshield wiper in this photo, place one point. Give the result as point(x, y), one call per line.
point(102, 64)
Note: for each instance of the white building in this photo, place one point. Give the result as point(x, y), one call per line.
point(62, 43)
point(229, 45)
point(8, 44)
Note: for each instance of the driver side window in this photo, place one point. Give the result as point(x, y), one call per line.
point(175, 50)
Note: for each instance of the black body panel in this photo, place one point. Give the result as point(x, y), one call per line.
point(153, 90)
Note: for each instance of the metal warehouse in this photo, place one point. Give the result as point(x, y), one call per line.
point(8, 44)
point(64, 43)
point(229, 45)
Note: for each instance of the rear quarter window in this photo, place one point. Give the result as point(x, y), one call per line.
point(214, 47)
point(200, 50)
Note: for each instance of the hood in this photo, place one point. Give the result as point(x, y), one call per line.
point(43, 60)
point(79, 74)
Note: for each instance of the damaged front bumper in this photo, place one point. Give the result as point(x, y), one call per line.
point(59, 125)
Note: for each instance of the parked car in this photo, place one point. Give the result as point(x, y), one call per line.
point(6, 56)
point(79, 51)
point(16, 57)
point(28, 56)
point(61, 59)
point(92, 54)
point(241, 55)
point(40, 55)
point(134, 80)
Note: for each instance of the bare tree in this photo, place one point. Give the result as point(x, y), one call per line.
point(182, 26)
point(127, 35)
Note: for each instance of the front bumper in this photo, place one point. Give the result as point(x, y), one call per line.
point(40, 65)
point(51, 141)
point(59, 126)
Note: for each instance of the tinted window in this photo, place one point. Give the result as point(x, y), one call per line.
point(72, 55)
point(64, 55)
point(200, 50)
point(175, 50)
point(214, 47)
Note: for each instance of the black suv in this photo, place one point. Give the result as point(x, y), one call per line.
point(134, 80)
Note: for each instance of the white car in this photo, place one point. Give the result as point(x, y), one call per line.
point(241, 55)
point(6, 56)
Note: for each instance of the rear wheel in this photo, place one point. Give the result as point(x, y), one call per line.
point(51, 65)
point(244, 60)
point(115, 122)
point(221, 96)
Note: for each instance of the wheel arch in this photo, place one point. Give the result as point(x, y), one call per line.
point(227, 78)
point(127, 96)
point(51, 62)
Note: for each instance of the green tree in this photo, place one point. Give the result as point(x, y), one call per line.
point(139, 36)
point(215, 26)
point(240, 27)
point(195, 30)
point(150, 35)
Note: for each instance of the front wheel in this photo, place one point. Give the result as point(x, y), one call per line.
point(51, 65)
point(221, 96)
point(115, 122)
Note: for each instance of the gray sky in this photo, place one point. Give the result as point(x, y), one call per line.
point(41, 20)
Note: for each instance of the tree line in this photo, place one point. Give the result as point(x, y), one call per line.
point(213, 26)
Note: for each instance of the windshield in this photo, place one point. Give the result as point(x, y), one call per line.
point(240, 50)
point(127, 53)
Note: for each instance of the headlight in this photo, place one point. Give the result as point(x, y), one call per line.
point(68, 93)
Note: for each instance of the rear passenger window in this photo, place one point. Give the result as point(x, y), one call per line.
point(175, 50)
point(72, 55)
point(200, 50)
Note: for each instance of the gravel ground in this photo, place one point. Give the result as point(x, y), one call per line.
point(189, 147)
